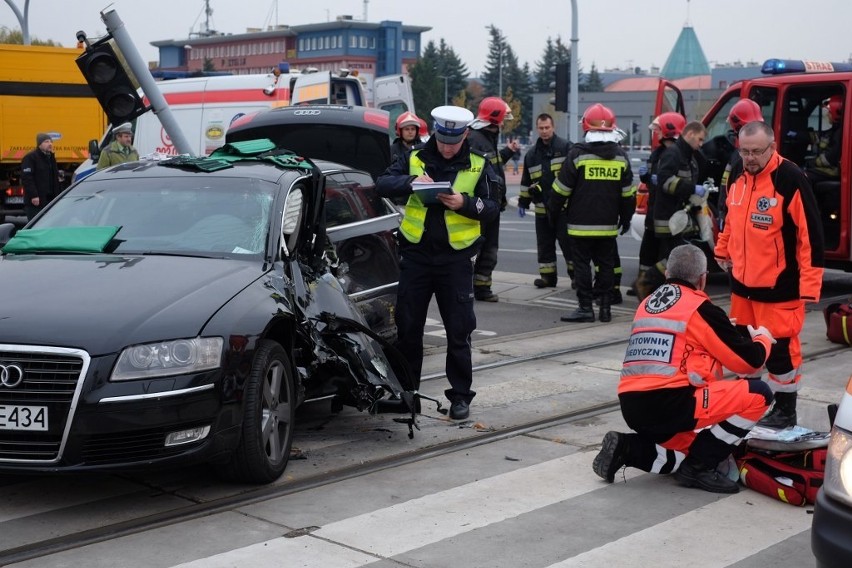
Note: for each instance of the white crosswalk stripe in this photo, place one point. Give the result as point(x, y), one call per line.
point(452, 513)
point(438, 516)
point(662, 545)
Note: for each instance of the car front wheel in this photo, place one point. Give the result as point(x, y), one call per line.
point(268, 418)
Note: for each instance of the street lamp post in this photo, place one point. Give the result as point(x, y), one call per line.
point(446, 99)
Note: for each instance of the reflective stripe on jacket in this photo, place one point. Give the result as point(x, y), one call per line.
point(679, 338)
point(772, 235)
point(597, 182)
point(542, 164)
point(462, 230)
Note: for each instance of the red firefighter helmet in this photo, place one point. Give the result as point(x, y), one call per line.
point(743, 112)
point(670, 124)
point(406, 119)
point(423, 131)
point(494, 110)
point(834, 104)
point(598, 117)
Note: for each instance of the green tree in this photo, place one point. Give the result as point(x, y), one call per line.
point(517, 79)
point(16, 37)
point(208, 65)
point(495, 64)
point(428, 77)
point(554, 52)
point(427, 88)
point(593, 83)
point(544, 74)
point(450, 66)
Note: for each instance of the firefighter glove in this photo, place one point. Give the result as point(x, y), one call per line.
point(524, 202)
point(760, 331)
point(643, 170)
point(555, 205)
point(535, 193)
point(700, 190)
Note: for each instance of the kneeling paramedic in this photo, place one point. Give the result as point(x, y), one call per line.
point(686, 418)
point(438, 244)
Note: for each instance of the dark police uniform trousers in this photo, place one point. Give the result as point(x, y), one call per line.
point(451, 282)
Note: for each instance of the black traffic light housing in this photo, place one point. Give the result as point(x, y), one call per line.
point(113, 83)
point(561, 87)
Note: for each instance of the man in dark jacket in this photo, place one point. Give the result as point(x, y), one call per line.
point(40, 176)
point(541, 166)
point(678, 179)
point(485, 129)
point(437, 245)
point(668, 127)
point(595, 185)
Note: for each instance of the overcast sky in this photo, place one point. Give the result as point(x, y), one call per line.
point(612, 33)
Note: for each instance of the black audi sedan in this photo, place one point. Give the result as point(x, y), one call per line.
point(173, 312)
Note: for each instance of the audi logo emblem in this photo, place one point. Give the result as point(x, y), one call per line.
point(307, 112)
point(11, 376)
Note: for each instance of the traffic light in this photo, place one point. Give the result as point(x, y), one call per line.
point(113, 83)
point(560, 86)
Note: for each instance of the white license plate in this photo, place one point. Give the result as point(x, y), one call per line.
point(18, 199)
point(23, 417)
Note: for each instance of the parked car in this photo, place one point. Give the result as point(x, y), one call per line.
point(179, 311)
point(832, 522)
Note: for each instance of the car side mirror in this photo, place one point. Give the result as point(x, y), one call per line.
point(94, 150)
point(292, 218)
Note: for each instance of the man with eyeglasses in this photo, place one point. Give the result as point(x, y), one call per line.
point(772, 244)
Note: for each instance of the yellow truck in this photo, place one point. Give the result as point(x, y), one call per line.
point(42, 90)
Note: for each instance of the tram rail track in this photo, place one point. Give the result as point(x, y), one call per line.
point(199, 509)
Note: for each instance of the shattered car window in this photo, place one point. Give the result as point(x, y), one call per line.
point(223, 216)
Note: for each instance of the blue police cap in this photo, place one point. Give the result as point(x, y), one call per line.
point(451, 123)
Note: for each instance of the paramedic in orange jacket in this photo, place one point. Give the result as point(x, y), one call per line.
point(773, 246)
point(672, 393)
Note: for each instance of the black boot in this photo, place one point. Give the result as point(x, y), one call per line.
point(605, 313)
point(584, 313)
point(693, 473)
point(783, 413)
point(615, 296)
point(546, 281)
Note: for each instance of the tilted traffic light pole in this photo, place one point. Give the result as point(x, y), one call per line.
point(114, 70)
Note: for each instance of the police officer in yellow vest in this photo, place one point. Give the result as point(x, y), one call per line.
point(438, 244)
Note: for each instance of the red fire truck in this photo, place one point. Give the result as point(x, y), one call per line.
point(792, 96)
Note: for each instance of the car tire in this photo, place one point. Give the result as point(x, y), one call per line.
point(268, 418)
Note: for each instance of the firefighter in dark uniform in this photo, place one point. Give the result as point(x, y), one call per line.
point(595, 186)
point(667, 127)
point(686, 417)
point(677, 178)
point(438, 244)
point(825, 165)
point(485, 129)
point(542, 163)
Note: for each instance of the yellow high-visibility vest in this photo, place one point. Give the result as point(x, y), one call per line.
point(463, 231)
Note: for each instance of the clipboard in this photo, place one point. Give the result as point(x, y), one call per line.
point(428, 191)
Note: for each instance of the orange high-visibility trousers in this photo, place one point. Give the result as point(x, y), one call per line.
point(784, 320)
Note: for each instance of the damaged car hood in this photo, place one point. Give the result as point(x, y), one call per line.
point(101, 303)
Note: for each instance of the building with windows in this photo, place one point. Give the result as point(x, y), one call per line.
point(373, 49)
